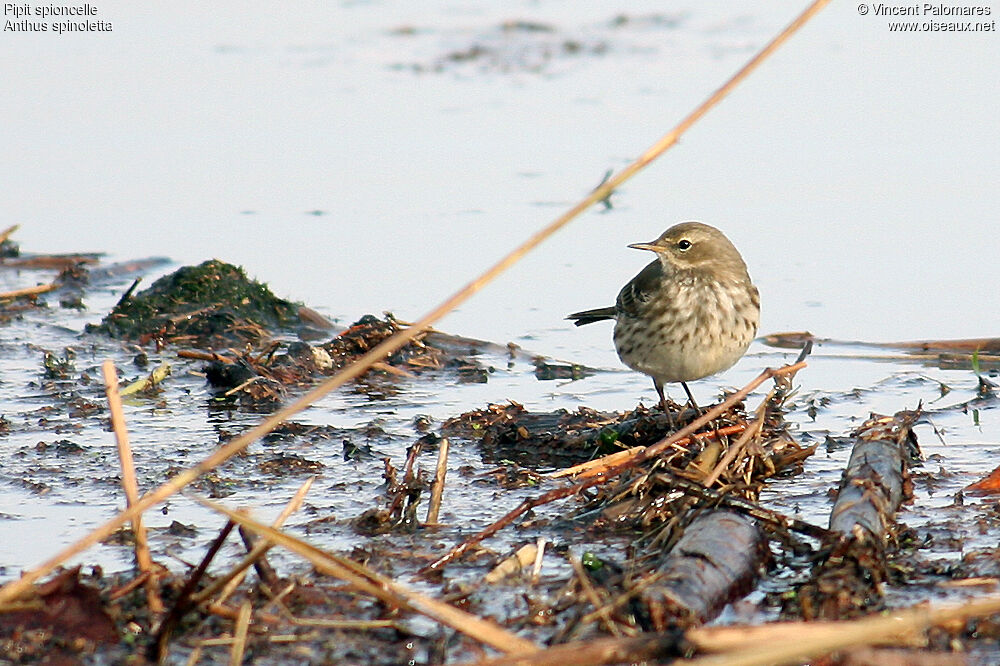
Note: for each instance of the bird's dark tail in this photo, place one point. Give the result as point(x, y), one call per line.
point(590, 316)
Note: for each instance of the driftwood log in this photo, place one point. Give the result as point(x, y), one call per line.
point(717, 559)
point(847, 581)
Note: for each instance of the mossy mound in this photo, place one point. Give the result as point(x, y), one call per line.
point(210, 305)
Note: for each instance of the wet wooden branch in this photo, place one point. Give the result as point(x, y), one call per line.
point(716, 560)
point(796, 339)
point(50, 261)
point(874, 484)
point(876, 480)
point(437, 488)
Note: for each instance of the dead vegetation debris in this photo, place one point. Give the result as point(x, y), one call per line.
point(65, 618)
point(678, 535)
point(853, 564)
point(563, 438)
point(260, 379)
point(212, 305)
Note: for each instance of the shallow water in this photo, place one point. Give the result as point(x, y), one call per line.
point(355, 157)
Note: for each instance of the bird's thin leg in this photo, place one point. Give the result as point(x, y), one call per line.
point(690, 397)
point(663, 404)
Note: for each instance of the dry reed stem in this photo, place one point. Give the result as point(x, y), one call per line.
point(770, 644)
point(16, 588)
point(126, 589)
point(235, 576)
point(237, 389)
point(893, 628)
point(198, 355)
point(386, 589)
point(6, 233)
point(601, 609)
point(392, 370)
point(240, 635)
point(602, 464)
point(233, 614)
point(195, 657)
point(351, 625)
point(536, 568)
point(752, 430)
point(648, 453)
point(521, 558)
point(642, 648)
point(437, 488)
point(28, 291)
point(130, 485)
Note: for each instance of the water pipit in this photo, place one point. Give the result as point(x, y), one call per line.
point(690, 313)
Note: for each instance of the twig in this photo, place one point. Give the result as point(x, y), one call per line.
point(266, 574)
point(600, 607)
point(437, 488)
point(643, 648)
point(131, 487)
point(392, 370)
point(183, 602)
point(237, 389)
point(233, 614)
point(602, 464)
point(649, 453)
point(386, 589)
point(127, 588)
point(28, 291)
point(235, 576)
point(128, 293)
point(752, 430)
point(16, 588)
point(6, 233)
point(240, 635)
point(204, 356)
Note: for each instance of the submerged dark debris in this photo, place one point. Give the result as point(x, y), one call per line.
point(261, 379)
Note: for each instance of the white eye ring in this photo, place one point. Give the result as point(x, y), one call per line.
point(684, 245)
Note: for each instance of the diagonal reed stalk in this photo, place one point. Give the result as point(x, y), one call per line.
point(386, 589)
point(16, 588)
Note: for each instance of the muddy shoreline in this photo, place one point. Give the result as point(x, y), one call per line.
point(609, 545)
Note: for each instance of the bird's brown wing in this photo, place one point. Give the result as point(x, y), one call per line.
point(639, 289)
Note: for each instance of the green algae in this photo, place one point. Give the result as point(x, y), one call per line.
point(213, 304)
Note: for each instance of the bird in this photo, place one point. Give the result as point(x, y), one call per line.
point(689, 314)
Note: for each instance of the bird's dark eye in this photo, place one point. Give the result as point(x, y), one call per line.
point(683, 245)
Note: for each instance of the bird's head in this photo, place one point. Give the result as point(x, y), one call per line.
point(693, 246)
